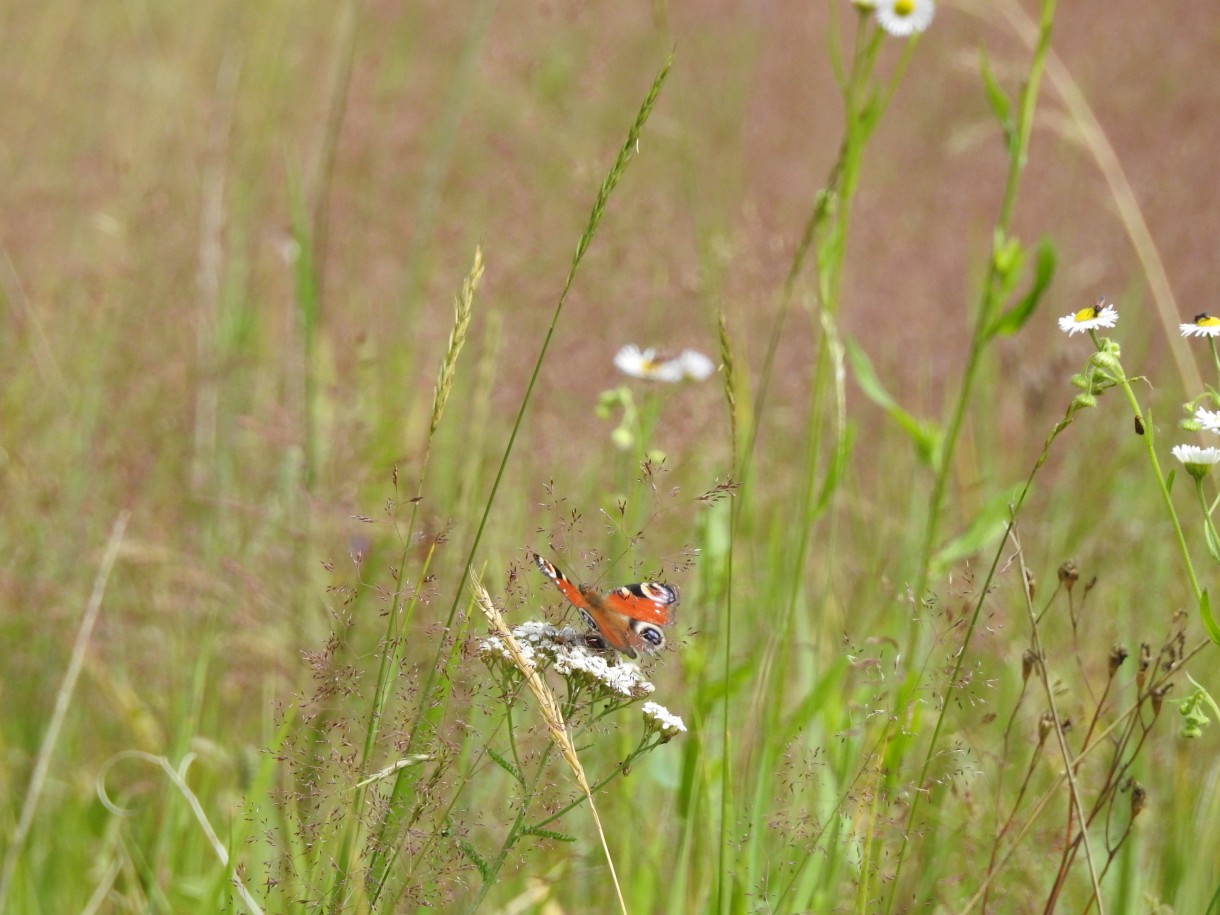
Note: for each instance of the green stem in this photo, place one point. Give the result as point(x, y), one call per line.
point(989, 304)
point(428, 710)
point(515, 831)
point(1149, 438)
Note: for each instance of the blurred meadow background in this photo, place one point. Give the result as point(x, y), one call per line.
point(243, 440)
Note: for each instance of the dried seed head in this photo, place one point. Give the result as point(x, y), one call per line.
point(1145, 662)
point(1028, 660)
point(1158, 697)
point(1068, 574)
point(1139, 796)
point(1118, 654)
point(1045, 723)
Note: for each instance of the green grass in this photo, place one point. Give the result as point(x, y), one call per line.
point(309, 328)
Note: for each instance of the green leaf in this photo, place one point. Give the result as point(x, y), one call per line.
point(987, 527)
point(547, 834)
point(1000, 106)
point(834, 473)
point(1014, 319)
point(1008, 256)
point(504, 764)
point(475, 858)
point(1209, 622)
point(1209, 536)
point(924, 434)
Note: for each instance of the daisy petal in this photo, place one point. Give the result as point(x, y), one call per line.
point(1198, 460)
point(905, 17)
point(1208, 420)
point(1204, 325)
point(689, 364)
point(1099, 315)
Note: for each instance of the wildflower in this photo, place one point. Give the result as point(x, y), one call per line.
point(1099, 315)
point(1198, 460)
point(904, 17)
point(631, 360)
point(567, 652)
point(1208, 420)
point(658, 718)
point(1204, 325)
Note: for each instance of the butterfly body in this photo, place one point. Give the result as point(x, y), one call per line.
point(629, 619)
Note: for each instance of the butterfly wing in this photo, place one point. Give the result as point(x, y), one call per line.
point(563, 583)
point(612, 630)
point(640, 612)
point(628, 619)
point(649, 601)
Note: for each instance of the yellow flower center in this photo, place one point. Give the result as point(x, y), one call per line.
point(1206, 320)
point(1087, 314)
point(904, 7)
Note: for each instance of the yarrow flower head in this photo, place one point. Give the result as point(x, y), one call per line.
point(1204, 325)
point(1099, 315)
point(660, 719)
point(689, 364)
point(567, 652)
point(904, 17)
point(1198, 460)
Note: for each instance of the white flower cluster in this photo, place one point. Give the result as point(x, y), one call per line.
point(567, 653)
point(659, 718)
point(535, 639)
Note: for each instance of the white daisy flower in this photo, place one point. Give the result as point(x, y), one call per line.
point(1099, 315)
point(638, 363)
point(658, 718)
point(905, 17)
point(1198, 460)
point(1204, 325)
point(689, 364)
point(1208, 420)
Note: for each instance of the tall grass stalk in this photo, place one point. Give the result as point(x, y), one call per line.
point(429, 711)
point(825, 236)
point(825, 239)
point(206, 754)
point(398, 622)
point(1125, 201)
point(996, 287)
point(63, 698)
point(549, 707)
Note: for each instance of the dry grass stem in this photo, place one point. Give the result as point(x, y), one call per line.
point(551, 714)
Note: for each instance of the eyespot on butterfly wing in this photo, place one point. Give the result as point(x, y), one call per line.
point(630, 619)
